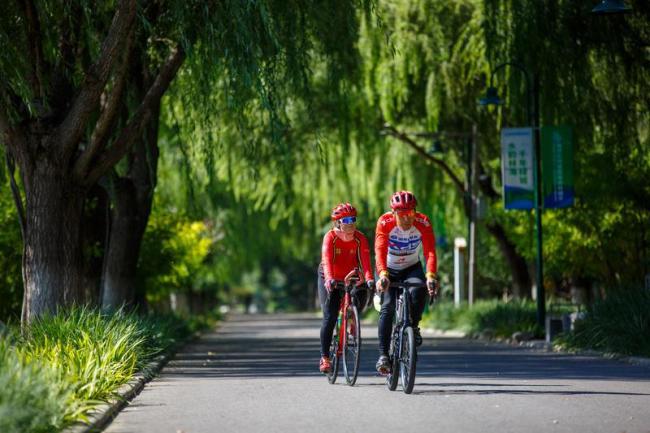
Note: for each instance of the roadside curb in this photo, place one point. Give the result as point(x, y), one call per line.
point(104, 413)
point(542, 345)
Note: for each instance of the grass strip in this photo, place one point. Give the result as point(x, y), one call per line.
point(493, 317)
point(69, 363)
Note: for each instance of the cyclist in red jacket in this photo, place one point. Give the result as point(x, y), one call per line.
point(399, 237)
point(344, 249)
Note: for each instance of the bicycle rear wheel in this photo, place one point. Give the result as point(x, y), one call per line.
point(393, 375)
point(334, 371)
point(352, 348)
point(407, 360)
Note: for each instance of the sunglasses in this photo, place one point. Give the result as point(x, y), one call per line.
point(405, 213)
point(348, 220)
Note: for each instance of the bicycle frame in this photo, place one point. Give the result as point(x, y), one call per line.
point(343, 336)
point(403, 305)
point(402, 320)
point(345, 302)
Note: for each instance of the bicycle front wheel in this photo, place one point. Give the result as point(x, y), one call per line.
point(352, 348)
point(407, 360)
point(334, 371)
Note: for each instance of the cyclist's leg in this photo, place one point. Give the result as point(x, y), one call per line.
point(386, 319)
point(415, 274)
point(330, 314)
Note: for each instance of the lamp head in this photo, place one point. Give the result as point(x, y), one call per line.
point(608, 7)
point(436, 147)
point(491, 97)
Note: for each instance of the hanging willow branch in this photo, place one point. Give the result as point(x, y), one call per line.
point(392, 131)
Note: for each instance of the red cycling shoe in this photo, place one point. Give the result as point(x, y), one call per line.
point(325, 365)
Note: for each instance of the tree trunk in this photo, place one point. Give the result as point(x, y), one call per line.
point(132, 196)
point(521, 282)
point(52, 256)
point(94, 241)
point(117, 284)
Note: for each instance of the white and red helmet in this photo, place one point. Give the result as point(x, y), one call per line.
point(343, 210)
point(403, 200)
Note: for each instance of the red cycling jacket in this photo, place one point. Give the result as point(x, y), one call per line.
point(398, 249)
point(339, 257)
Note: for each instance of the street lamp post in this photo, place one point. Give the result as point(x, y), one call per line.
point(532, 91)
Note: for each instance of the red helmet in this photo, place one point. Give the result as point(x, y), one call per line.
point(343, 210)
point(403, 200)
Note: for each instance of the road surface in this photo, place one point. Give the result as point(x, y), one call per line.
point(259, 373)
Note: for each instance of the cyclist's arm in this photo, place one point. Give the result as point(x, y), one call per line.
point(428, 244)
point(381, 245)
point(365, 257)
point(327, 255)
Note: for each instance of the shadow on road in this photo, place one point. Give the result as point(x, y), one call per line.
point(288, 346)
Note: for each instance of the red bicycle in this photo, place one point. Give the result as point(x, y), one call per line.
point(346, 341)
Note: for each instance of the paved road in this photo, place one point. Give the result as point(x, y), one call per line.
point(259, 374)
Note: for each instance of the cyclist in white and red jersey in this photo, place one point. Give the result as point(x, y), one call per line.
point(399, 238)
point(344, 249)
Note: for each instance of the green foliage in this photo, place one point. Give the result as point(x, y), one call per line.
point(11, 279)
point(501, 318)
point(32, 398)
point(173, 253)
point(619, 324)
point(69, 363)
point(600, 85)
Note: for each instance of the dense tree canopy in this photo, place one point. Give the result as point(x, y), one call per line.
point(282, 109)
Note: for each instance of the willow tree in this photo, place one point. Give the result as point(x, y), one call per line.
point(598, 82)
point(66, 67)
point(424, 67)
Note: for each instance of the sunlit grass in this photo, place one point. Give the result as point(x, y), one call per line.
point(33, 398)
point(67, 364)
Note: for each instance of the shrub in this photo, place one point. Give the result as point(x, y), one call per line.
point(619, 323)
point(32, 398)
point(502, 318)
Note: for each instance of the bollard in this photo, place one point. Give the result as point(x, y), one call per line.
point(554, 326)
point(460, 288)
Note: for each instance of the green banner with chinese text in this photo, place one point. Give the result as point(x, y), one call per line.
point(557, 166)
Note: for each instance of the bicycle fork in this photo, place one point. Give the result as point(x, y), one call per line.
point(403, 321)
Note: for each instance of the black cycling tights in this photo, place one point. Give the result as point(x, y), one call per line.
point(389, 300)
point(331, 311)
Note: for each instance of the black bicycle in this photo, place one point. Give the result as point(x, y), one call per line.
point(403, 353)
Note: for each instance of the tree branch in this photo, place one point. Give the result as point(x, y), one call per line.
point(485, 183)
point(107, 117)
point(439, 162)
point(35, 49)
point(69, 132)
point(133, 129)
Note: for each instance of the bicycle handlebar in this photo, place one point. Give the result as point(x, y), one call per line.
point(408, 285)
point(340, 285)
